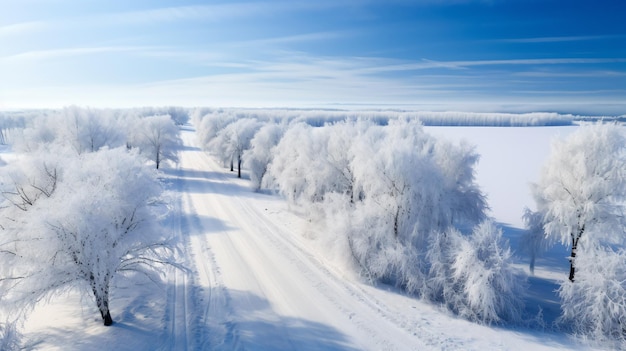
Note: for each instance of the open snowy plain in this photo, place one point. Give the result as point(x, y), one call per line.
point(257, 281)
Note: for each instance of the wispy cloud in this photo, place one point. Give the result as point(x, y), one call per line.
point(298, 38)
point(431, 64)
point(19, 28)
point(71, 52)
point(203, 12)
point(558, 39)
point(217, 12)
point(584, 74)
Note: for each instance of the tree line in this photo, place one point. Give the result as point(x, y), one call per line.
point(401, 204)
point(403, 207)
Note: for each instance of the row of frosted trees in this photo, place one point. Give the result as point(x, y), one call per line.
point(403, 207)
point(81, 206)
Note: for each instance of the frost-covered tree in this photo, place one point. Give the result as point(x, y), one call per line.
point(292, 167)
point(82, 129)
point(157, 138)
point(89, 130)
point(79, 222)
point(41, 132)
point(210, 125)
point(534, 240)
point(582, 189)
point(422, 184)
point(400, 186)
point(311, 162)
point(179, 115)
point(231, 142)
point(260, 153)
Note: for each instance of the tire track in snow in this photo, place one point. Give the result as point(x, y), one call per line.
point(212, 301)
point(219, 315)
point(177, 326)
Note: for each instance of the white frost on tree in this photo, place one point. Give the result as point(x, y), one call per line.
point(234, 139)
point(582, 189)
point(81, 129)
point(260, 154)
point(580, 197)
point(156, 137)
point(80, 222)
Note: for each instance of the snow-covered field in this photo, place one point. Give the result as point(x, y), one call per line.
point(256, 282)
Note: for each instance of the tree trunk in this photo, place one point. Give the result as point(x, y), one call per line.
point(106, 317)
point(102, 301)
point(395, 223)
point(158, 157)
point(572, 269)
point(232, 166)
point(239, 168)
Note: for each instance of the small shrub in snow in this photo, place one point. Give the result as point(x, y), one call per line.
point(534, 240)
point(488, 285)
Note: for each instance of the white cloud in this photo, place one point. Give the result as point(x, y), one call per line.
point(41, 55)
point(20, 28)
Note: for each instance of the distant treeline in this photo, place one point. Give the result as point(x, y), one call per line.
point(10, 120)
point(318, 118)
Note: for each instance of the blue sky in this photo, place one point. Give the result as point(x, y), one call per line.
point(497, 55)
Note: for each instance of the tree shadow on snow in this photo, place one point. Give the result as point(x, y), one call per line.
point(187, 173)
point(250, 324)
point(204, 224)
point(137, 306)
point(554, 259)
point(205, 182)
point(541, 298)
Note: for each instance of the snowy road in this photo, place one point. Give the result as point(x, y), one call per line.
point(258, 284)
